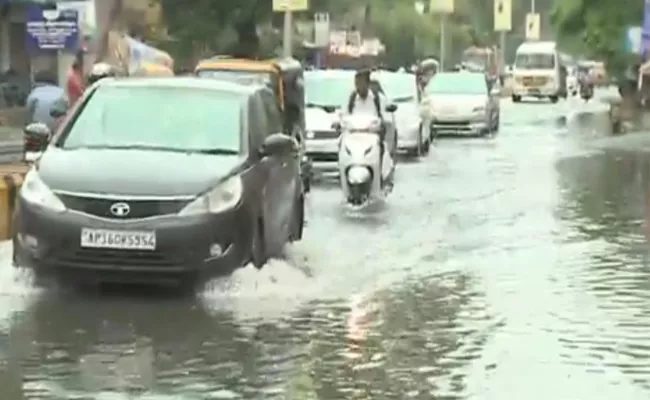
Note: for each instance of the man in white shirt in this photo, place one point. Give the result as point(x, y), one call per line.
point(368, 100)
point(363, 99)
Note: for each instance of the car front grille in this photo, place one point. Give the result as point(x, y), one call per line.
point(319, 156)
point(326, 134)
point(138, 208)
point(109, 257)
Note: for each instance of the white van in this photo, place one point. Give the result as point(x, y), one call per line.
point(538, 72)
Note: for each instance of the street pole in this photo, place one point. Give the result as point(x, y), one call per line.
point(287, 34)
point(503, 51)
point(442, 41)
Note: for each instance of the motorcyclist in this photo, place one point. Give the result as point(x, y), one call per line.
point(366, 99)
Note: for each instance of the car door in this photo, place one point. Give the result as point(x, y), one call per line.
point(284, 177)
point(266, 169)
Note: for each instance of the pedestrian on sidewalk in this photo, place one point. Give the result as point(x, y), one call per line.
point(41, 99)
point(75, 82)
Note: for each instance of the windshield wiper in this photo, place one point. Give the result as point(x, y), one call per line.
point(156, 148)
point(215, 152)
point(127, 147)
point(323, 106)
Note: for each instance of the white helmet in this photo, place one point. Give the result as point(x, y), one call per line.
point(99, 71)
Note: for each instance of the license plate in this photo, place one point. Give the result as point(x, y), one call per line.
point(113, 239)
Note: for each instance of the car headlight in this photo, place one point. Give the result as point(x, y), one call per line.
point(224, 196)
point(36, 192)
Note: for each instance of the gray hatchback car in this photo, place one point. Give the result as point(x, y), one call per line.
point(161, 180)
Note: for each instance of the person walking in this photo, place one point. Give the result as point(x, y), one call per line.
point(41, 99)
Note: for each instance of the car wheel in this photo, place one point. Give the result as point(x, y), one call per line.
point(516, 99)
point(259, 255)
point(554, 99)
point(298, 220)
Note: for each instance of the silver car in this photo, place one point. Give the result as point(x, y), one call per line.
point(462, 103)
point(412, 126)
point(325, 93)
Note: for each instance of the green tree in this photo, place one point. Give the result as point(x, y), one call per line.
point(597, 28)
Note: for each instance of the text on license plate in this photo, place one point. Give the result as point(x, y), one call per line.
point(113, 239)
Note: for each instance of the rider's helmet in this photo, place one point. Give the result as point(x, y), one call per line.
point(100, 71)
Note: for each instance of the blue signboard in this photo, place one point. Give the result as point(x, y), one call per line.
point(633, 41)
point(645, 31)
point(51, 29)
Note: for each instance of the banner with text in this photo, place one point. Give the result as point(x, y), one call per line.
point(532, 26)
point(442, 6)
point(502, 15)
point(51, 29)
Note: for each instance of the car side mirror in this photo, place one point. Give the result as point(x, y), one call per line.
point(391, 108)
point(58, 109)
point(278, 144)
point(37, 137)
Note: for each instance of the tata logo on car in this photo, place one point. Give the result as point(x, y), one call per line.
point(120, 209)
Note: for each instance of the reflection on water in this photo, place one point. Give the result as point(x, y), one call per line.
point(606, 206)
point(408, 339)
point(495, 271)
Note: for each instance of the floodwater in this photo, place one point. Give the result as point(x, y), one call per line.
point(506, 268)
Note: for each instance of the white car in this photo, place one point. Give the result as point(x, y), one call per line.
point(412, 121)
point(462, 103)
point(325, 93)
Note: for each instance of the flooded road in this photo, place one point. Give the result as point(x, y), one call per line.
point(506, 268)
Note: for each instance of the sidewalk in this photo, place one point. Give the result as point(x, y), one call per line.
point(10, 134)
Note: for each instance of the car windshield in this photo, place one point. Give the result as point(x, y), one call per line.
point(477, 59)
point(163, 118)
point(457, 83)
point(321, 90)
point(398, 87)
point(535, 61)
point(246, 77)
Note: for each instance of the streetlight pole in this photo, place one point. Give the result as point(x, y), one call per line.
point(443, 40)
point(287, 40)
point(532, 6)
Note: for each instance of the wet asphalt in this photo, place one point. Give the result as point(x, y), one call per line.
point(514, 267)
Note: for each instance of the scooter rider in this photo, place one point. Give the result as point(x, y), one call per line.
point(368, 100)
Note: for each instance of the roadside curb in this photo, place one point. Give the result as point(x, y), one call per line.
point(11, 147)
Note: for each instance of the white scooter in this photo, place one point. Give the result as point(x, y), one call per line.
point(359, 160)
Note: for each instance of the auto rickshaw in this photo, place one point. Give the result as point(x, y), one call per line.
point(283, 76)
point(151, 70)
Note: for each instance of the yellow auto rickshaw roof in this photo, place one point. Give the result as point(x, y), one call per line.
point(237, 64)
point(153, 70)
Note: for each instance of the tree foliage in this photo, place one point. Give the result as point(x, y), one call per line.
point(233, 26)
point(597, 28)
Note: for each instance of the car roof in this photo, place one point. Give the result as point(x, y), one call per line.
point(543, 47)
point(460, 73)
point(330, 73)
point(189, 82)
